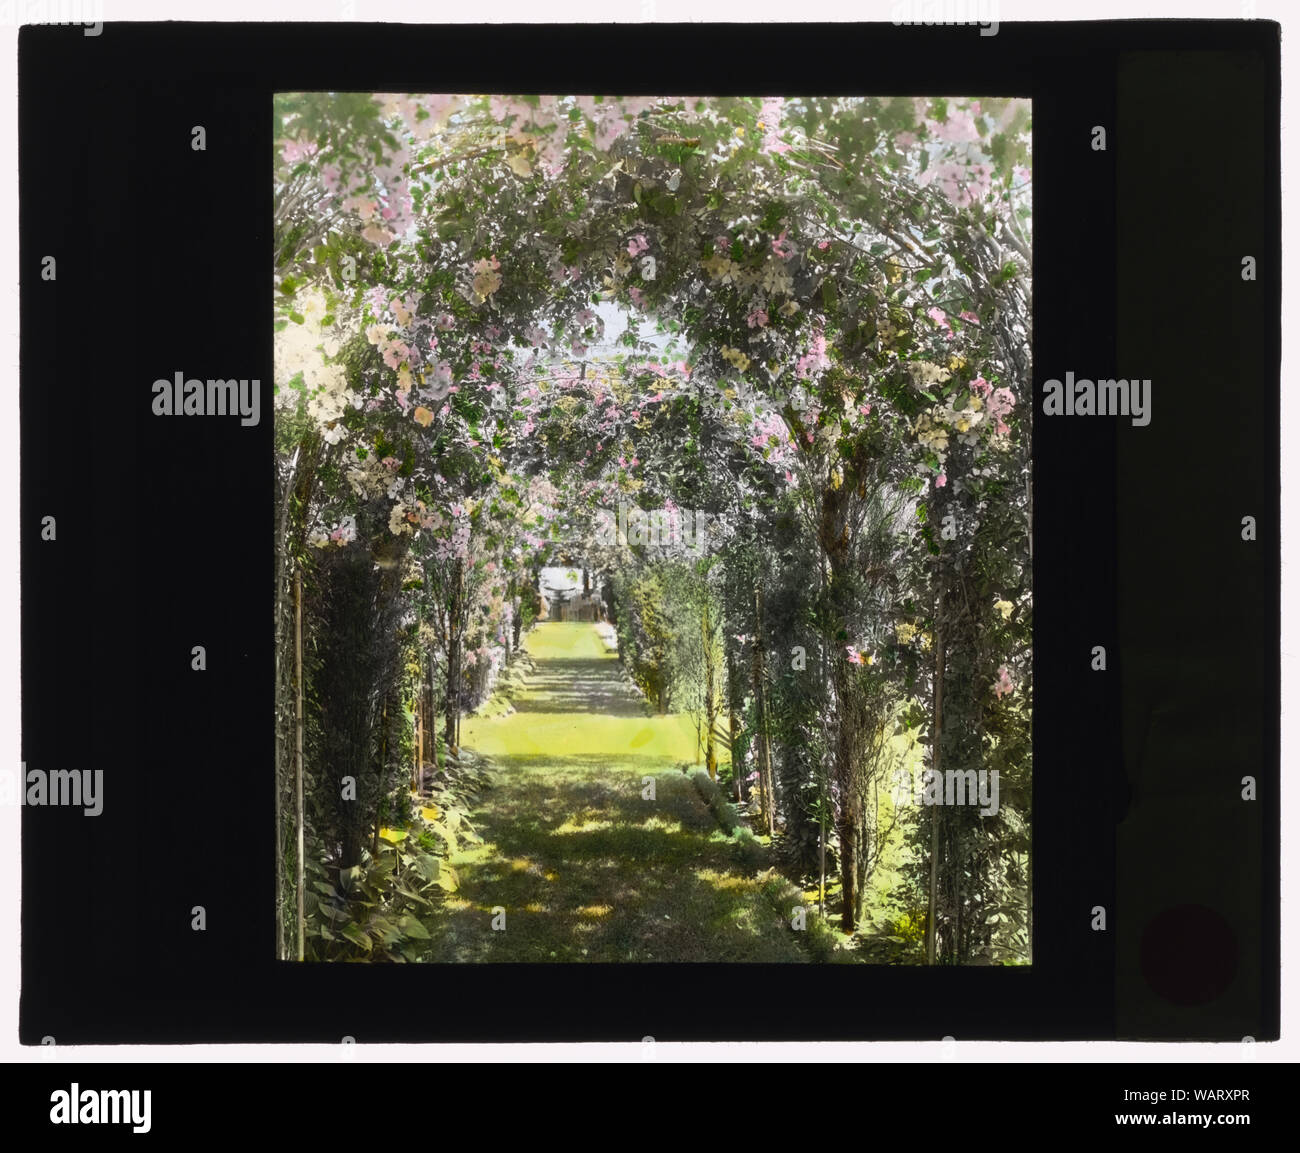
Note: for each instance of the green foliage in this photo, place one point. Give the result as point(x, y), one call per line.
point(376, 910)
point(819, 284)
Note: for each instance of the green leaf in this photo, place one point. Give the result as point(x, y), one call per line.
point(428, 867)
point(447, 881)
point(349, 877)
point(445, 833)
point(354, 933)
point(414, 927)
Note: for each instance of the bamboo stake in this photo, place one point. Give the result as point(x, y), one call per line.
point(383, 766)
point(282, 548)
point(279, 768)
point(460, 635)
point(297, 648)
point(279, 860)
point(419, 744)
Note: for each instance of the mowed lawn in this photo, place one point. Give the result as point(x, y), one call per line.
point(584, 867)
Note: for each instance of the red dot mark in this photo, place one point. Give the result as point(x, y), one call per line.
point(1189, 954)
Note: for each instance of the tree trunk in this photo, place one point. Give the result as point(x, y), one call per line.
point(379, 782)
point(834, 541)
point(763, 750)
point(451, 702)
point(936, 759)
point(833, 536)
point(419, 741)
point(850, 823)
point(433, 714)
point(710, 707)
point(821, 853)
point(454, 625)
point(291, 533)
point(733, 720)
point(733, 736)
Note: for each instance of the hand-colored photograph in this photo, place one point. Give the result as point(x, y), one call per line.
point(653, 529)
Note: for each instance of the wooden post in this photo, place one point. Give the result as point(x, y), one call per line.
point(297, 649)
point(419, 746)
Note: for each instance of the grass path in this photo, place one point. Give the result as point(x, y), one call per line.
point(585, 868)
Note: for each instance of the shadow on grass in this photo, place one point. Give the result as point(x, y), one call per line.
point(587, 869)
point(579, 685)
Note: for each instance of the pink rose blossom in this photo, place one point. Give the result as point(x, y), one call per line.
point(941, 319)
